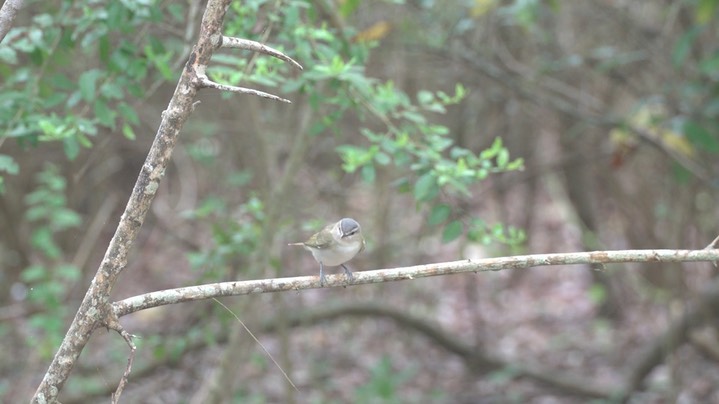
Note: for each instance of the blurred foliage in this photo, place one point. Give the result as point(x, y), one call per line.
point(384, 384)
point(76, 71)
point(69, 76)
point(46, 97)
point(49, 279)
point(698, 114)
point(230, 239)
point(422, 153)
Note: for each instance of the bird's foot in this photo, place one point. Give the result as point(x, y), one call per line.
point(350, 277)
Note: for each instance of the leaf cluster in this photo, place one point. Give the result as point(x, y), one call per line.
point(47, 95)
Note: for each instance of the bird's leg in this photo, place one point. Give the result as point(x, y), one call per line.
point(322, 275)
point(350, 277)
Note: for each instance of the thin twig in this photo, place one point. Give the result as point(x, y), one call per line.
point(714, 244)
point(114, 324)
point(239, 43)
point(126, 375)
point(205, 82)
point(258, 343)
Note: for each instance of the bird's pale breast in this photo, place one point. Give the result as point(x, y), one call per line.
point(338, 254)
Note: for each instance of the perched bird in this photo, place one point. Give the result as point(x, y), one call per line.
point(334, 245)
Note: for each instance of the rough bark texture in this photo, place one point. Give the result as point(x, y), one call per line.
point(8, 12)
point(95, 309)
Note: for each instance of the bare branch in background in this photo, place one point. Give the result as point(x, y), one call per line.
point(676, 334)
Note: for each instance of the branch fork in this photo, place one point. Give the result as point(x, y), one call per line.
point(202, 81)
point(113, 323)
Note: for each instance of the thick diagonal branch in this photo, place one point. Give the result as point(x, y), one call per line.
point(8, 12)
point(94, 310)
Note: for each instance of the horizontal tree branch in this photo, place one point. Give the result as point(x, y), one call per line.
point(236, 288)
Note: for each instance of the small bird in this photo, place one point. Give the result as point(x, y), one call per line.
point(334, 245)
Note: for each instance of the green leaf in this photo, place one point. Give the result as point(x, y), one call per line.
point(111, 90)
point(382, 159)
point(8, 164)
point(34, 273)
point(347, 7)
point(515, 165)
point(426, 188)
point(87, 127)
point(425, 97)
point(128, 113)
point(104, 114)
point(69, 272)
point(368, 173)
point(439, 214)
point(710, 65)
point(83, 140)
point(684, 46)
point(414, 117)
point(503, 158)
point(88, 85)
point(103, 48)
point(681, 174)
point(62, 82)
point(353, 157)
point(705, 11)
point(71, 147)
point(8, 55)
point(128, 132)
point(701, 137)
point(53, 100)
point(177, 12)
point(42, 240)
point(64, 219)
point(163, 66)
point(451, 231)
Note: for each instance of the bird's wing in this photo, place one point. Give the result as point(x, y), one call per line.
point(322, 239)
